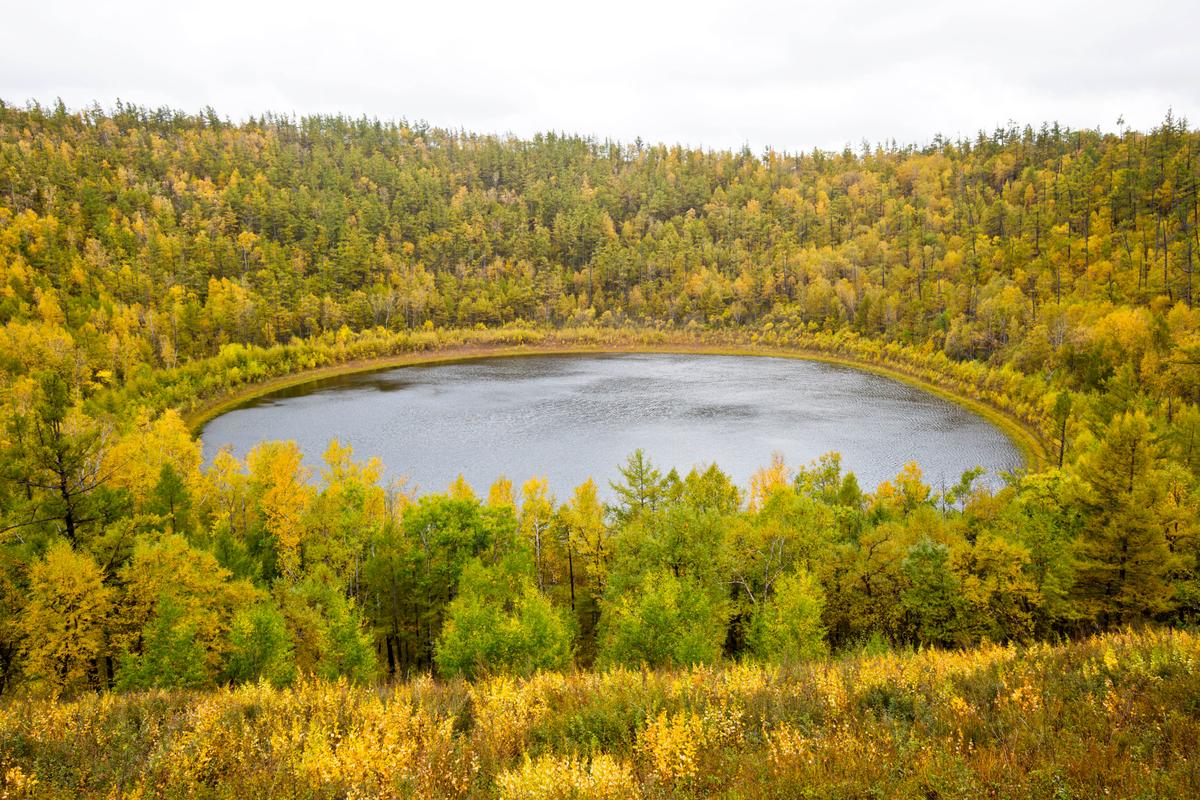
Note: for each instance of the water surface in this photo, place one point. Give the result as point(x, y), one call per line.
point(570, 417)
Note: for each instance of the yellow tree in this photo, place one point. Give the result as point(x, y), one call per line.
point(460, 489)
point(586, 537)
point(910, 482)
point(768, 480)
point(280, 481)
point(500, 494)
point(349, 509)
point(225, 492)
point(201, 591)
point(537, 513)
point(904, 495)
point(64, 624)
point(136, 460)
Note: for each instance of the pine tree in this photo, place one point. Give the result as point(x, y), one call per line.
point(640, 489)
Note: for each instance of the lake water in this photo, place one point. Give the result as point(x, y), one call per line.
point(569, 417)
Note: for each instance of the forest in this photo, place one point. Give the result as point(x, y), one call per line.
point(154, 264)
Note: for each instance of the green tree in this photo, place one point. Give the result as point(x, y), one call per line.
point(260, 647)
point(711, 490)
point(1125, 561)
point(55, 457)
point(172, 501)
point(932, 597)
point(340, 644)
point(170, 656)
point(667, 621)
point(499, 622)
point(640, 489)
point(787, 626)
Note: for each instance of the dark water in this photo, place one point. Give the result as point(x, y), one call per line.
point(571, 417)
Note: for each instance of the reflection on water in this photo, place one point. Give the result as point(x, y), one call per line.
point(571, 417)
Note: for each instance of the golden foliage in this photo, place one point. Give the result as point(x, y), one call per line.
point(281, 481)
point(769, 480)
point(1104, 715)
point(137, 458)
point(672, 746)
point(64, 624)
point(551, 778)
point(459, 489)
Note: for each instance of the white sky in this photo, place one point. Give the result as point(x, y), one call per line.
point(792, 75)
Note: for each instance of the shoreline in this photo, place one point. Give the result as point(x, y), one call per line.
point(1033, 451)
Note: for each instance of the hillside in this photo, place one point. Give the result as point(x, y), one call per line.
point(162, 616)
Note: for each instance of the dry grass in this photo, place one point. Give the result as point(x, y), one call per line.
point(1115, 716)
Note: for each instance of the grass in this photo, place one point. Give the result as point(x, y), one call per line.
point(1115, 716)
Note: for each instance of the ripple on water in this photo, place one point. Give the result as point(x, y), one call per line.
point(571, 417)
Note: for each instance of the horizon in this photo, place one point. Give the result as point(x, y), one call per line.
point(892, 144)
point(710, 75)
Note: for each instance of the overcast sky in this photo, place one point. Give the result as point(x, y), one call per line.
point(791, 75)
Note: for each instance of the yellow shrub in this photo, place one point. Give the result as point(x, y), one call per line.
point(672, 745)
point(506, 708)
point(550, 778)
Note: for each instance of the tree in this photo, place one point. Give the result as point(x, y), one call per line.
point(413, 572)
point(170, 656)
point(787, 626)
point(711, 490)
point(1044, 517)
point(204, 596)
point(500, 493)
point(500, 623)
point(640, 489)
point(347, 651)
point(65, 623)
point(583, 522)
point(279, 482)
point(1062, 418)
point(1125, 561)
point(460, 489)
point(537, 512)
point(171, 500)
point(260, 648)
point(349, 508)
point(56, 456)
point(138, 459)
point(769, 480)
point(667, 621)
point(1000, 598)
point(327, 631)
point(932, 597)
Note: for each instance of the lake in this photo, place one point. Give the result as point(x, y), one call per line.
point(570, 417)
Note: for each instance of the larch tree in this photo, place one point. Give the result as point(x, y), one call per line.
point(65, 623)
point(56, 455)
point(279, 482)
point(1125, 560)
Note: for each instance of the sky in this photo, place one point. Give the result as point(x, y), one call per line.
point(786, 75)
